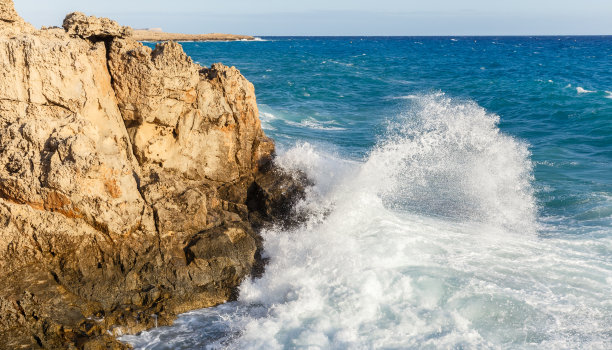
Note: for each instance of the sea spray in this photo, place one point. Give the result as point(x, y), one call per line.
point(448, 158)
point(361, 277)
point(427, 243)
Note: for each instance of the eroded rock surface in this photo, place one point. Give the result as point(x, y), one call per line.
point(92, 27)
point(10, 22)
point(131, 181)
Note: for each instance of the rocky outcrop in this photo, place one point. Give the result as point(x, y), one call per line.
point(7, 12)
point(77, 24)
point(132, 183)
point(197, 121)
point(10, 22)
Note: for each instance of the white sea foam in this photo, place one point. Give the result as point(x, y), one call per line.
point(405, 97)
point(417, 96)
point(441, 142)
point(312, 123)
point(266, 116)
point(429, 243)
point(582, 90)
point(266, 120)
point(608, 94)
point(338, 63)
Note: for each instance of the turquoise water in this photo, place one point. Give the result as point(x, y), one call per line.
point(463, 196)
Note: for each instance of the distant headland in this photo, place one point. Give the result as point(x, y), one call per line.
point(157, 34)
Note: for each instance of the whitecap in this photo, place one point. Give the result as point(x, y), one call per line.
point(266, 116)
point(581, 90)
point(266, 119)
point(312, 123)
point(405, 97)
point(339, 63)
point(416, 96)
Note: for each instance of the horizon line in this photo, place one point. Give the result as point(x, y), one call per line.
point(429, 35)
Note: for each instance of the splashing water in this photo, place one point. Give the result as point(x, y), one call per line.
point(449, 159)
point(431, 242)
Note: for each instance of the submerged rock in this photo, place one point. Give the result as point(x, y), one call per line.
point(131, 181)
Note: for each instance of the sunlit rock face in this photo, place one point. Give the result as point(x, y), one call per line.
point(126, 182)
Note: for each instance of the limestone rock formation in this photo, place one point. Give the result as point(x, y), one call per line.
point(78, 24)
point(7, 12)
point(132, 183)
point(10, 22)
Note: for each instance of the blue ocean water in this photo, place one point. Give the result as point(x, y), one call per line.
point(463, 196)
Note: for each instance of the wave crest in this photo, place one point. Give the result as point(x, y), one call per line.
point(450, 159)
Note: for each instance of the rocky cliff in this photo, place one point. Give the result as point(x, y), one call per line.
point(132, 183)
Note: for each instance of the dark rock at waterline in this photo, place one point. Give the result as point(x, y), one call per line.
point(273, 195)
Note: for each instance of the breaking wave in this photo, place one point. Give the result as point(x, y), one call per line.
point(430, 242)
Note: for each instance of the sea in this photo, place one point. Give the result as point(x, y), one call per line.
point(462, 196)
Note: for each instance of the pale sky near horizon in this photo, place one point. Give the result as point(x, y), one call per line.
point(341, 17)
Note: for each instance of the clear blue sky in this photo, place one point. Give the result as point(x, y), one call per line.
point(341, 17)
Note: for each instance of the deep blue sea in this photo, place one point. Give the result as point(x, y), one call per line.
point(462, 198)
